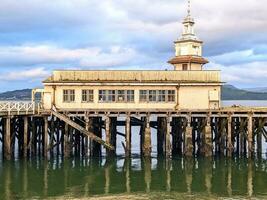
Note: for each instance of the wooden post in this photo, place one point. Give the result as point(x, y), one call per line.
point(128, 136)
point(160, 135)
point(188, 138)
point(7, 139)
point(25, 136)
point(168, 137)
point(66, 141)
point(87, 127)
point(113, 132)
point(147, 138)
point(250, 135)
point(229, 136)
point(45, 137)
point(107, 130)
point(208, 139)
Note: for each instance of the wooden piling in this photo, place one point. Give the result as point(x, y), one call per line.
point(168, 138)
point(128, 136)
point(208, 139)
point(250, 135)
point(7, 138)
point(147, 138)
point(108, 135)
point(188, 138)
point(25, 136)
point(45, 137)
point(161, 121)
point(229, 136)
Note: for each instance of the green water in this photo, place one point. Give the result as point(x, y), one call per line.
point(134, 178)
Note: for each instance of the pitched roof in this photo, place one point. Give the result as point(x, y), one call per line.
point(188, 59)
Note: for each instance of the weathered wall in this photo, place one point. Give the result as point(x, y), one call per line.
point(190, 97)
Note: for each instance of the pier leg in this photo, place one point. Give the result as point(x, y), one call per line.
point(128, 136)
point(7, 139)
point(147, 139)
point(168, 138)
point(229, 136)
point(250, 135)
point(113, 132)
point(66, 142)
point(98, 131)
point(25, 136)
point(208, 139)
point(188, 139)
point(87, 127)
point(108, 136)
point(45, 137)
point(160, 135)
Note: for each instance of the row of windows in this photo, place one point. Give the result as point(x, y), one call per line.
point(121, 96)
point(116, 96)
point(157, 95)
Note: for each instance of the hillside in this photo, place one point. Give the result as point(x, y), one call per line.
point(229, 92)
point(23, 95)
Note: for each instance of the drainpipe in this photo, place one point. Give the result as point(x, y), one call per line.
point(177, 97)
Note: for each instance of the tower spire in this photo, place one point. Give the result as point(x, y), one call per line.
point(189, 8)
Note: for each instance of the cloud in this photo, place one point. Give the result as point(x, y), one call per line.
point(248, 74)
point(115, 34)
point(81, 57)
point(27, 74)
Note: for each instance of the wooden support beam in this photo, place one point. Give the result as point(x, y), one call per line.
point(7, 138)
point(45, 137)
point(82, 130)
point(128, 136)
point(66, 141)
point(229, 136)
point(208, 138)
point(188, 138)
point(147, 138)
point(160, 135)
point(168, 137)
point(250, 135)
point(25, 135)
point(108, 134)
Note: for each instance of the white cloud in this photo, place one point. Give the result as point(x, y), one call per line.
point(81, 57)
point(27, 75)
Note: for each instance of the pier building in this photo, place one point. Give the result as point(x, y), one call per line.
point(80, 112)
point(187, 86)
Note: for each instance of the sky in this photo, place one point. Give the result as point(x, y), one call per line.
point(39, 36)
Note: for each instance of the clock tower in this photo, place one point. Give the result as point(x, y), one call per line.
point(188, 48)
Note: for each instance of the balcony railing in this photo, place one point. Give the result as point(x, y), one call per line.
point(18, 108)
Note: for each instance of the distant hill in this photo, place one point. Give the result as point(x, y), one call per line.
point(23, 95)
point(229, 92)
point(257, 89)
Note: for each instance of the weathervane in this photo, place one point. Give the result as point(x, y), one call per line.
point(189, 8)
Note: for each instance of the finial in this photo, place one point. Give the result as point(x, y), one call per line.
point(189, 8)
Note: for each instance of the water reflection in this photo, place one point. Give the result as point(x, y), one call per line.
point(85, 178)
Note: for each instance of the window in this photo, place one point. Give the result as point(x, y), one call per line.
point(185, 67)
point(121, 96)
point(161, 96)
point(68, 96)
point(111, 97)
point(130, 95)
point(87, 96)
point(143, 96)
point(171, 95)
point(102, 97)
point(152, 95)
